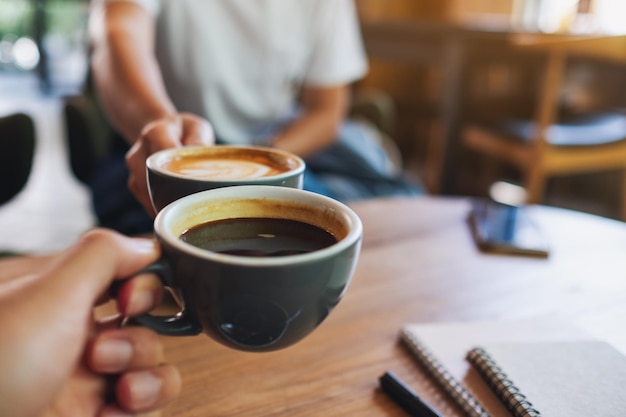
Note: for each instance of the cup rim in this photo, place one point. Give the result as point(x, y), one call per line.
point(152, 163)
point(251, 192)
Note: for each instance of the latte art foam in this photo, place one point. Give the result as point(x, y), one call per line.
point(221, 169)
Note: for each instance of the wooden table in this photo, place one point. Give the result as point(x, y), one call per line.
point(418, 264)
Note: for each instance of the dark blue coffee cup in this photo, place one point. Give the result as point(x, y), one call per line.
point(246, 302)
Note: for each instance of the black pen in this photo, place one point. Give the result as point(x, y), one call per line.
point(406, 397)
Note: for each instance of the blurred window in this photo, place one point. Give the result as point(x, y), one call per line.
point(45, 35)
point(578, 16)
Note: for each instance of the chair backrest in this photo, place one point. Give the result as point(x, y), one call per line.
point(17, 148)
point(558, 49)
point(610, 48)
point(88, 132)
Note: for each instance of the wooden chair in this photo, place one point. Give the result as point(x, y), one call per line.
point(17, 148)
point(547, 145)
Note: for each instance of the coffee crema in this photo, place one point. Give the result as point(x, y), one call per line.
point(226, 167)
point(258, 237)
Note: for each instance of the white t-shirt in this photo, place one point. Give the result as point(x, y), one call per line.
point(240, 63)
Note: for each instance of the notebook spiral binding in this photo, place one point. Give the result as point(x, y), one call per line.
point(502, 386)
point(464, 399)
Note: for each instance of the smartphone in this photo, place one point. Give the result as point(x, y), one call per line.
point(501, 228)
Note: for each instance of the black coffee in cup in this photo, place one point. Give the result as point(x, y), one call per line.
point(258, 237)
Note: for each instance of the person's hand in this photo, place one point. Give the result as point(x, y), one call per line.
point(56, 360)
point(180, 130)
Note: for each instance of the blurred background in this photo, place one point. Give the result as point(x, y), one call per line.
point(45, 38)
point(449, 63)
point(437, 69)
point(43, 60)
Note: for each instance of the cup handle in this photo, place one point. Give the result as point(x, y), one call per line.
point(181, 324)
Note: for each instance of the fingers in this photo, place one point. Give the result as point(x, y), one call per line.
point(137, 182)
point(144, 392)
point(119, 350)
point(167, 132)
point(136, 355)
point(160, 134)
point(139, 295)
point(88, 268)
point(147, 390)
point(196, 130)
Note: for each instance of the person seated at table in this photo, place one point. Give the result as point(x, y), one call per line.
point(271, 73)
point(56, 360)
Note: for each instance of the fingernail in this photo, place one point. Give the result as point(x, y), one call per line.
point(145, 389)
point(142, 245)
point(113, 355)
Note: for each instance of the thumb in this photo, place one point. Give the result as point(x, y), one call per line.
point(88, 268)
point(197, 131)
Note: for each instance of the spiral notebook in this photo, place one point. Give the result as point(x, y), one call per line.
point(581, 378)
point(441, 350)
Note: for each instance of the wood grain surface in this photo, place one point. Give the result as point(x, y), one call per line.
point(418, 264)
